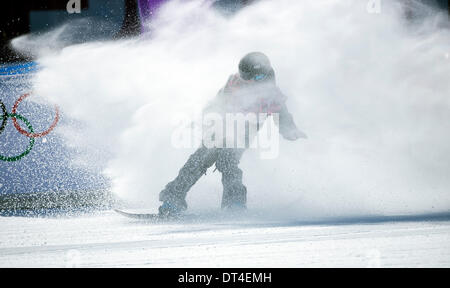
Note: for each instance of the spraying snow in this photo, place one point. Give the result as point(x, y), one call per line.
point(370, 93)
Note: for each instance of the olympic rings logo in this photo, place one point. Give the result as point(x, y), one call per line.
point(30, 133)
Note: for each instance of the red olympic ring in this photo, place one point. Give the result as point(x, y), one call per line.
point(24, 132)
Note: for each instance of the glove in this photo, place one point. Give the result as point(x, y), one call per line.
point(294, 134)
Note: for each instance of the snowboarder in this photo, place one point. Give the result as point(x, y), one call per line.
point(253, 89)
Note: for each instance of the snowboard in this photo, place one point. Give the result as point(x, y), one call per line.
point(155, 217)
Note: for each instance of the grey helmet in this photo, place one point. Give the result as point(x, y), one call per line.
point(256, 66)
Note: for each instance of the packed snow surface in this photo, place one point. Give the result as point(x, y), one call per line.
point(108, 239)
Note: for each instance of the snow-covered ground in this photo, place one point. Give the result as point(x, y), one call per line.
point(108, 239)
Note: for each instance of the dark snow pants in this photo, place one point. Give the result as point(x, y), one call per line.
point(227, 161)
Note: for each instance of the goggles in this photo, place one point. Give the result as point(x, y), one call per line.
point(259, 77)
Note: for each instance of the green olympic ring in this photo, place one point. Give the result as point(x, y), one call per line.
point(30, 146)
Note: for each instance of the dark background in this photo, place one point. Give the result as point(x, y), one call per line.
point(20, 17)
point(16, 19)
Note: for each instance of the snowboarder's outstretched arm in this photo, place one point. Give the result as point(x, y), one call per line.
point(286, 124)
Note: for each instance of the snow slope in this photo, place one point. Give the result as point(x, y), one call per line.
point(108, 239)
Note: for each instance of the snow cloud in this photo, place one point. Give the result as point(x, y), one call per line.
point(370, 90)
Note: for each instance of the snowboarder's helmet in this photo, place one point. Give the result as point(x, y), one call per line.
point(255, 66)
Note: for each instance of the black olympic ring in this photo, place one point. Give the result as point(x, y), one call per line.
point(4, 117)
